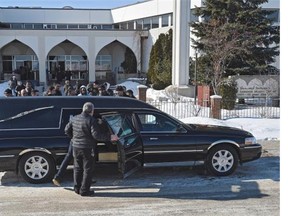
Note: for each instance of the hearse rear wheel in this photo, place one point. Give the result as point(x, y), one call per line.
point(222, 160)
point(37, 167)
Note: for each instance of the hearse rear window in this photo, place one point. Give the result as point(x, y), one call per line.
point(42, 117)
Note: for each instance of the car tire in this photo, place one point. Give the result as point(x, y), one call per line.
point(37, 167)
point(222, 160)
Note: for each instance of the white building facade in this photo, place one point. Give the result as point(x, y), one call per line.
point(46, 44)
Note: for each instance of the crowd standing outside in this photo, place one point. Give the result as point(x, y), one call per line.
point(84, 132)
point(92, 89)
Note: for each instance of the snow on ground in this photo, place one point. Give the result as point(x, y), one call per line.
point(262, 129)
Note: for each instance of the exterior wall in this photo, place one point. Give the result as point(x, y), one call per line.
point(42, 42)
point(92, 16)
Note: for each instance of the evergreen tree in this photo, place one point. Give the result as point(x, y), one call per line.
point(160, 63)
point(236, 37)
point(130, 63)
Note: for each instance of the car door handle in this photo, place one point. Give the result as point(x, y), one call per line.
point(153, 138)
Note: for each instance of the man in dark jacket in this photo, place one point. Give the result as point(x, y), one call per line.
point(84, 131)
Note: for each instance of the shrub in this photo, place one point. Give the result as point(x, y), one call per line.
point(228, 91)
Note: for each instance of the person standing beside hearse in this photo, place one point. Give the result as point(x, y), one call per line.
point(84, 132)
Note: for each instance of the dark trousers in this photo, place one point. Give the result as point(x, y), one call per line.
point(65, 163)
point(83, 169)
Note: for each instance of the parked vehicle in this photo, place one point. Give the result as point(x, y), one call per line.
point(33, 143)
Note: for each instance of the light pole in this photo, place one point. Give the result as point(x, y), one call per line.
point(195, 78)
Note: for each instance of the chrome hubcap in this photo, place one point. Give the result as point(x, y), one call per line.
point(222, 161)
point(36, 167)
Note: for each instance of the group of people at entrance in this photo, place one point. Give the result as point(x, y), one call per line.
point(17, 88)
point(84, 131)
point(91, 89)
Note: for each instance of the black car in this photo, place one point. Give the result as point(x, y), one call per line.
point(32, 139)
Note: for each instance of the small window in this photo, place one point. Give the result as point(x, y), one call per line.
point(72, 26)
point(107, 27)
point(130, 25)
point(165, 20)
point(97, 27)
point(82, 26)
point(38, 26)
point(147, 24)
point(28, 26)
point(61, 26)
point(123, 26)
point(155, 22)
point(17, 26)
point(139, 24)
point(156, 123)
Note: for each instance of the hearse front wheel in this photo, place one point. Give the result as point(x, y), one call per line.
point(222, 160)
point(37, 167)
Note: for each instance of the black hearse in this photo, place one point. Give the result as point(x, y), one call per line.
point(32, 139)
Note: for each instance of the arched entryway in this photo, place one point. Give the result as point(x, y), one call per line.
point(16, 58)
point(115, 63)
point(67, 61)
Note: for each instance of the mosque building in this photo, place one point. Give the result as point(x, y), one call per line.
point(86, 44)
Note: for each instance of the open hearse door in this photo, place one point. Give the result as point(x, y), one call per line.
point(129, 145)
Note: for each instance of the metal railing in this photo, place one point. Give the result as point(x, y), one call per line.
point(252, 108)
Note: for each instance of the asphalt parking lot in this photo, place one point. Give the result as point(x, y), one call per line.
point(254, 189)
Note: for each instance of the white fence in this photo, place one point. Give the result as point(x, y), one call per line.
point(186, 109)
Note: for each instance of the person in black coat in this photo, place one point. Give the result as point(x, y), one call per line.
point(84, 132)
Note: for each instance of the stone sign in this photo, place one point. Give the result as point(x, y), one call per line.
point(257, 86)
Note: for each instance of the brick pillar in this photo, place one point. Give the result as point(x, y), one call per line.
point(142, 92)
point(215, 106)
